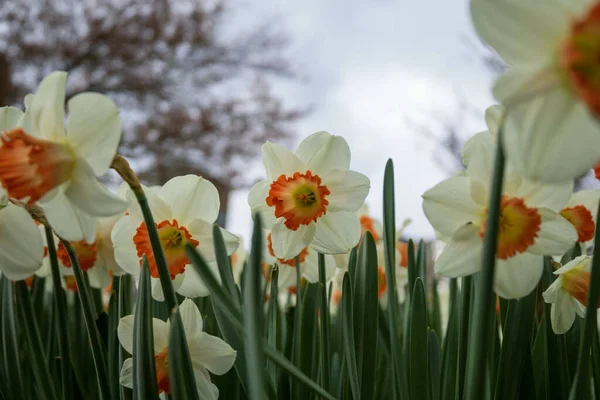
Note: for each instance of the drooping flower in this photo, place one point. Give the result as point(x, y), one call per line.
point(21, 246)
point(184, 211)
point(208, 353)
point(581, 211)
point(310, 197)
point(568, 294)
point(551, 89)
point(40, 162)
point(530, 226)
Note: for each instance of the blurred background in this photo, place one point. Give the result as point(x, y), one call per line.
point(202, 84)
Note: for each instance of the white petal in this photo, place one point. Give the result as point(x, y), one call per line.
point(67, 220)
point(21, 245)
point(125, 332)
point(126, 378)
point(556, 235)
point(521, 85)
point(287, 244)
point(517, 276)
point(157, 292)
point(124, 249)
point(337, 233)
point(94, 129)
point(493, 115)
point(191, 318)
point(524, 34)
point(449, 205)
point(562, 314)
point(192, 285)
point(212, 353)
point(278, 160)
point(551, 294)
point(322, 152)
point(478, 155)
point(587, 198)
point(462, 254)
point(206, 389)
point(90, 196)
point(191, 197)
point(203, 232)
point(161, 210)
point(48, 107)
point(552, 196)
point(551, 138)
point(9, 117)
point(349, 193)
point(98, 276)
point(161, 334)
point(258, 204)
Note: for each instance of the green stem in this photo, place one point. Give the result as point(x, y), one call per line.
point(87, 304)
point(480, 334)
point(61, 321)
point(581, 383)
point(159, 256)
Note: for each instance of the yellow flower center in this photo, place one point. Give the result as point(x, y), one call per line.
point(300, 199)
point(31, 167)
point(580, 58)
point(173, 239)
point(86, 254)
point(519, 226)
point(582, 220)
point(162, 372)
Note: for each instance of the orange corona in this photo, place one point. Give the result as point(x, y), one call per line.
point(300, 199)
point(291, 262)
point(519, 227)
point(31, 167)
point(86, 254)
point(162, 372)
point(580, 58)
point(173, 239)
point(581, 218)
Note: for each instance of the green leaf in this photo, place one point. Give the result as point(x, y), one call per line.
point(413, 268)
point(349, 344)
point(33, 342)
point(253, 317)
point(144, 367)
point(596, 364)
point(366, 309)
point(221, 300)
point(113, 341)
point(181, 371)
point(581, 385)
point(224, 263)
point(324, 326)
point(421, 262)
point(466, 297)
point(273, 325)
point(435, 313)
point(11, 357)
point(62, 332)
point(515, 346)
point(450, 346)
point(418, 358)
point(308, 343)
point(389, 244)
point(433, 346)
point(97, 347)
point(484, 304)
point(124, 308)
point(539, 360)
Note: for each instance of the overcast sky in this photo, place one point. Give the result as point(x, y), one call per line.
point(375, 69)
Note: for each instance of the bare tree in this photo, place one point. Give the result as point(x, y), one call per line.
point(194, 97)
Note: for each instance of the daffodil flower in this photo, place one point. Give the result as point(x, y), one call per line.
point(184, 211)
point(582, 212)
point(40, 162)
point(208, 353)
point(530, 226)
point(310, 197)
point(21, 246)
point(568, 294)
point(551, 89)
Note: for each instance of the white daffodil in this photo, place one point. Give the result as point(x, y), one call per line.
point(184, 211)
point(530, 226)
point(96, 258)
point(208, 353)
point(309, 265)
point(40, 162)
point(310, 197)
point(582, 212)
point(21, 246)
point(551, 89)
point(568, 293)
